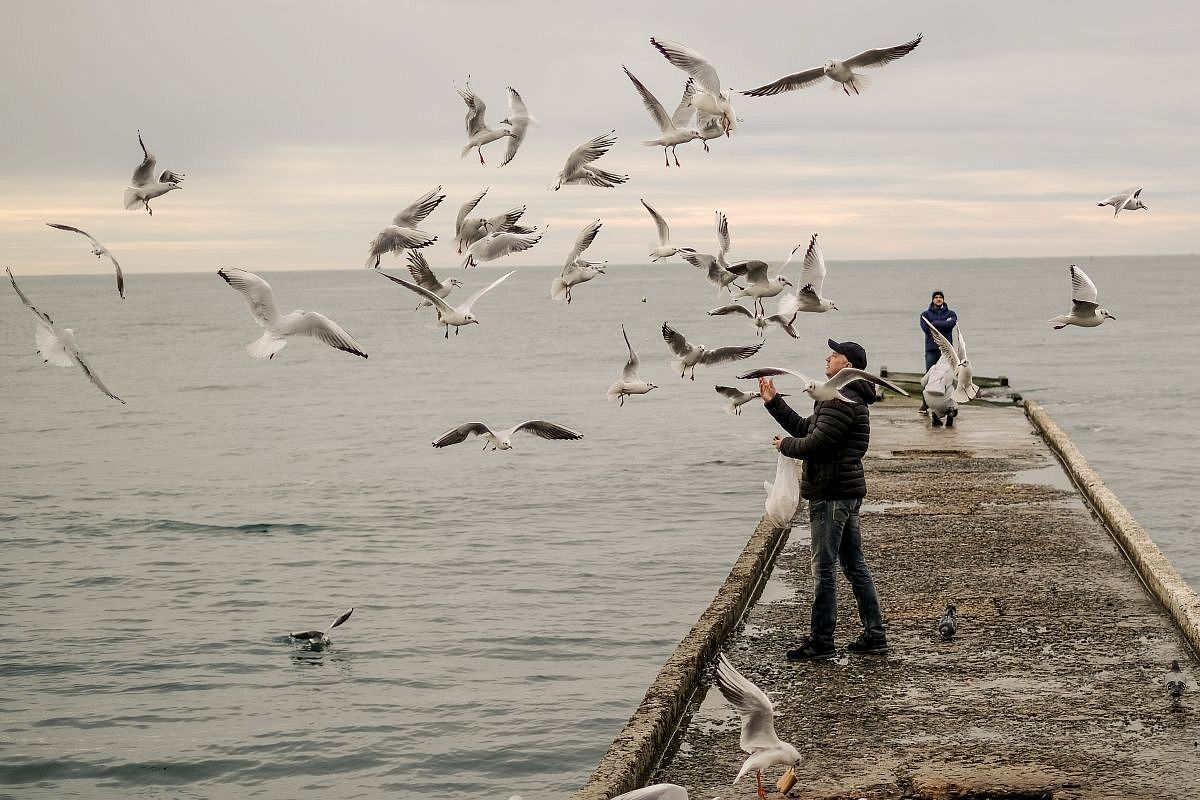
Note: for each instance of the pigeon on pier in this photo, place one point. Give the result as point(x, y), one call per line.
point(948, 625)
point(1176, 683)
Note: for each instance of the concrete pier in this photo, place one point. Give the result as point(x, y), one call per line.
point(1051, 689)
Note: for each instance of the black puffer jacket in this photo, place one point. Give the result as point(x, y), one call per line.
point(832, 442)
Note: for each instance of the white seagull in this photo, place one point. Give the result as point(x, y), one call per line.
point(737, 398)
point(577, 270)
point(758, 321)
point(498, 244)
point(1085, 312)
point(278, 327)
point(321, 638)
point(577, 171)
point(98, 250)
point(709, 98)
point(758, 738)
point(812, 280)
point(518, 121)
point(418, 267)
point(469, 230)
point(630, 382)
point(760, 282)
point(1128, 199)
point(937, 390)
point(830, 389)
point(673, 134)
point(658, 791)
point(449, 315)
point(955, 354)
point(692, 354)
point(707, 125)
point(146, 186)
point(403, 234)
point(841, 72)
point(56, 345)
point(502, 439)
point(478, 133)
point(664, 248)
point(716, 268)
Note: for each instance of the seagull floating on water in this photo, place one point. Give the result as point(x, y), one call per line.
point(502, 439)
point(709, 97)
point(403, 234)
point(758, 738)
point(98, 250)
point(56, 345)
point(1085, 311)
point(1129, 199)
point(577, 270)
point(841, 72)
point(690, 355)
point(478, 133)
point(630, 383)
point(671, 127)
point(278, 326)
point(448, 315)
point(321, 638)
point(948, 625)
point(830, 389)
point(577, 171)
point(518, 121)
point(146, 186)
point(418, 267)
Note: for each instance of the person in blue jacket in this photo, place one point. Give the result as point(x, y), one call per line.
point(941, 317)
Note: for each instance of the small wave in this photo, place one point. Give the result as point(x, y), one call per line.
point(180, 526)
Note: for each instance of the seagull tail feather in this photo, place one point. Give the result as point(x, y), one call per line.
point(131, 199)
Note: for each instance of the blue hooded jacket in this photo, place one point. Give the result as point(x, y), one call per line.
point(941, 318)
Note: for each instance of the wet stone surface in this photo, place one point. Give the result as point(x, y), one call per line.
point(1052, 687)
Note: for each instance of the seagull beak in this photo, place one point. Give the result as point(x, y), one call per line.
point(1110, 316)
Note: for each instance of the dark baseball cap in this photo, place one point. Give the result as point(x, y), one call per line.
point(853, 351)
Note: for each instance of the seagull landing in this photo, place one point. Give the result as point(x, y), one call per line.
point(98, 250)
point(758, 724)
point(630, 383)
point(1085, 311)
point(502, 439)
point(146, 186)
point(320, 639)
point(830, 389)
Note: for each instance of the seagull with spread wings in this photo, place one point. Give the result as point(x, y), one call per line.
point(758, 738)
point(830, 389)
point(319, 639)
point(1085, 311)
point(630, 383)
point(56, 345)
point(448, 315)
point(842, 73)
point(812, 280)
point(502, 439)
point(715, 268)
point(418, 267)
point(578, 171)
point(403, 233)
point(146, 186)
point(664, 248)
point(737, 398)
point(760, 322)
point(709, 98)
point(469, 230)
point(672, 134)
point(98, 250)
point(278, 326)
point(518, 122)
point(761, 280)
point(691, 355)
point(955, 354)
point(1128, 199)
point(498, 244)
point(478, 133)
point(577, 270)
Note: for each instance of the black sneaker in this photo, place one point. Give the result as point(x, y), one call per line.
point(936, 421)
point(807, 651)
point(868, 643)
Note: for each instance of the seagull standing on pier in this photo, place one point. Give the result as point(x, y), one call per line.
point(758, 725)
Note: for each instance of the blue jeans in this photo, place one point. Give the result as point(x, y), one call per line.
point(836, 537)
point(931, 358)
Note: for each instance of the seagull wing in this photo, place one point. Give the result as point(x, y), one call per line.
point(90, 238)
point(326, 330)
point(679, 345)
point(960, 344)
point(461, 433)
point(659, 791)
point(722, 232)
point(813, 271)
point(754, 271)
point(683, 111)
point(546, 429)
point(797, 80)
point(664, 232)
point(77, 357)
point(475, 297)
point(657, 112)
point(758, 715)
point(729, 391)
point(306, 635)
point(256, 291)
point(418, 267)
point(43, 317)
point(723, 354)
point(419, 209)
point(467, 208)
point(394, 238)
point(698, 260)
point(586, 237)
point(769, 372)
point(785, 321)
point(883, 55)
point(690, 62)
point(848, 375)
point(518, 123)
point(502, 244)
point(732, 308)
point(589, 151)
point(942, 342)
point(506, 221)
point(1082, 288)
point(144, 173)
point(340, 620)
point(631, 366)
point(475, 110)
point(421, 290)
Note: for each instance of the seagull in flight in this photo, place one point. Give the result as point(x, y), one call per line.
point(709, 98)
point(737, 398)
point(321, 639)
point(758, 738)
point(1085, 311)
point(577, 171)
point(56, 345)
point(278, 326)
point(812, 280)
point(403, 233)
point(673, 134)
point(502, 439)
point(98, 250)
point(518, 121)
point(146, 186)
point(841, 72)
point(630, 383)
point(418, 267)
point(690, 355)
point(448, 315)
point(577, 270)
point(469, 230)
point(715, 268)
point(759, 322)
point(1128, 199)
point(955, 354)
point(498, 244)
point(760, 283)
point(478, 133)
point(664, 248)
point(830, 389)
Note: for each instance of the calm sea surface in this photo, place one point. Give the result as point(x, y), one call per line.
point(511, 607)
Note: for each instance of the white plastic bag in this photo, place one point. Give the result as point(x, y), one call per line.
point(783, 496)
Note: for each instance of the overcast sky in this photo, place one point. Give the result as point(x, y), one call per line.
point(303, 127)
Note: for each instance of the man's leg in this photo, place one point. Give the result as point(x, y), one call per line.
point(854, 566)
point(826, 518)
point(931, 358)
